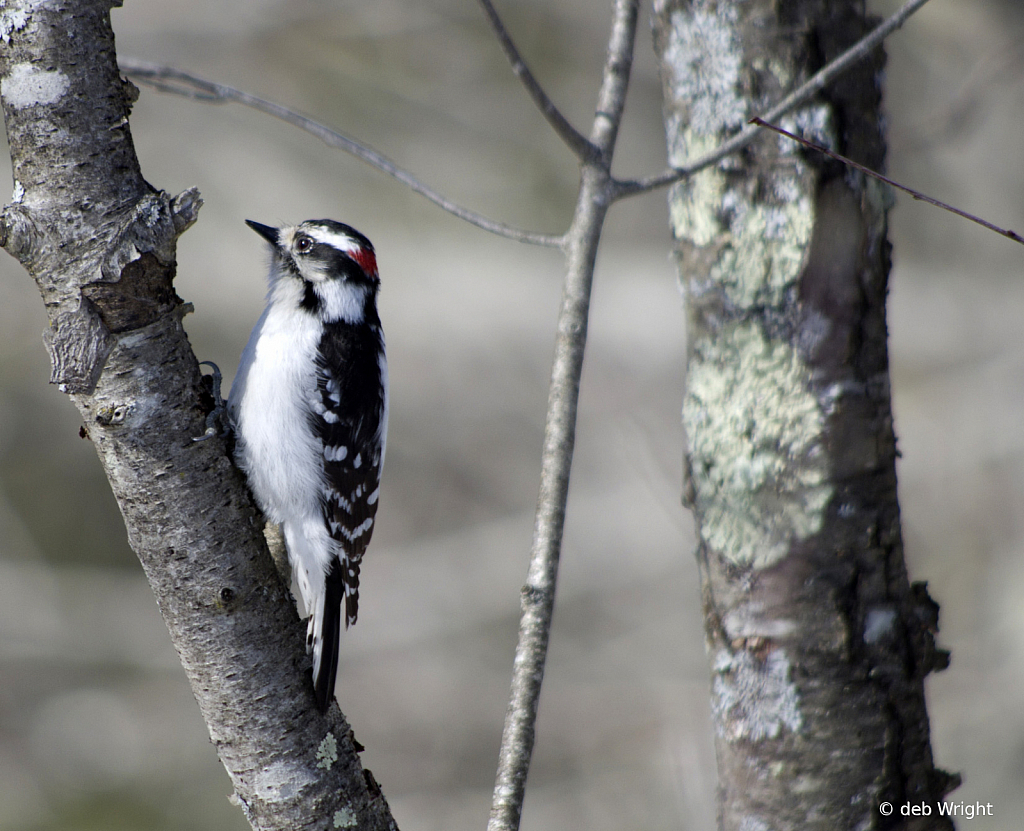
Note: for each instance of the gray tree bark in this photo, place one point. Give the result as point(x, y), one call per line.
point(818, 642)
point(100, 243)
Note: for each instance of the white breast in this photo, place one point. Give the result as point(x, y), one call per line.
point(269, 404)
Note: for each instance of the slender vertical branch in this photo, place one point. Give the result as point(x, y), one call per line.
point(538, 595)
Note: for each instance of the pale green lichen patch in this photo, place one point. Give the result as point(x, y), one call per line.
point(765, 251)
point(760, 246)
point(327, 752)
point(704, 54)
point(754, 699)
point(756, 434)
point(693, 208)
point(345, 818)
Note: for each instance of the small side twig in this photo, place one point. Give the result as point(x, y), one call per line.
point(814, 84)
point(576, 141)
point(168, 79)
point(760, 122)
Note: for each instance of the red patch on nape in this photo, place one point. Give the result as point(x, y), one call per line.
point(367, 261)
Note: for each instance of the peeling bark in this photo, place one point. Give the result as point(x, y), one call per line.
point(100, 243)
point(818, 642)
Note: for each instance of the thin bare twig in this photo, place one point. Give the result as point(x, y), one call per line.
point(538, 596)
point(168, 79)
point(815, 83)
point(760, 122)
point(576, 141)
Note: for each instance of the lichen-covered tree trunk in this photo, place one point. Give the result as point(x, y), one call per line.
point(818, 642)
point(100, 243)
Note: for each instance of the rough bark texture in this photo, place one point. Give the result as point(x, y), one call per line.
point(100, 243)
point(818, 642)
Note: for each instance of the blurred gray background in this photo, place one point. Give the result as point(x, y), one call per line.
point(98, 727)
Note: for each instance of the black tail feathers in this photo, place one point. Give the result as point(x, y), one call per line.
point(330, 639)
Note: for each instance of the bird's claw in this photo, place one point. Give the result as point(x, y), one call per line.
point(217, 413)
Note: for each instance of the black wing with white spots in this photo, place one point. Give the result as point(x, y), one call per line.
point(349, 421)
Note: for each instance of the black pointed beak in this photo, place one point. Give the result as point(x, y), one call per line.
point(271, 235)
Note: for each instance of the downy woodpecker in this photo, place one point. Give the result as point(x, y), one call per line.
point(310, 410)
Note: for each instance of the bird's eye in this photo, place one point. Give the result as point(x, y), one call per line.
point(303, 244)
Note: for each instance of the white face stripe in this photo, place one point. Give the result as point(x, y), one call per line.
point(342, 242)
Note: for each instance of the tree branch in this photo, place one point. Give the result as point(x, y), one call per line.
point(576, 141)
point(538, 596)
point(168, 79)
point(814, 84)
